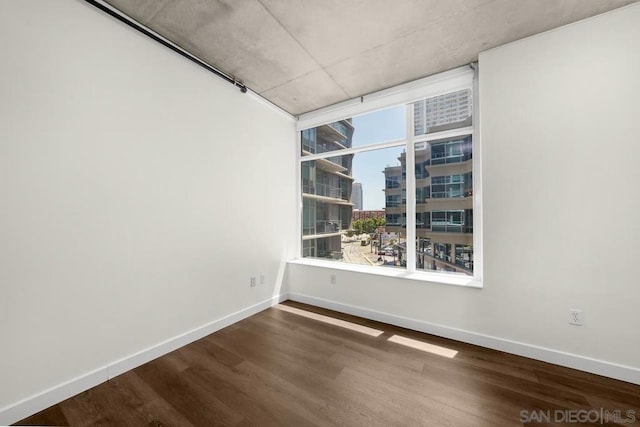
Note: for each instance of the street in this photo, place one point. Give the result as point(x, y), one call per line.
point(355, 253)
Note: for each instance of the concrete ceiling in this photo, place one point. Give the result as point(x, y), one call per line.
point(306, 54)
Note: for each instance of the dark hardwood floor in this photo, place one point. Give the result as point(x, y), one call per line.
point(279, 368)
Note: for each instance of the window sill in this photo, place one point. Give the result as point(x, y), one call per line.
point(420, 276)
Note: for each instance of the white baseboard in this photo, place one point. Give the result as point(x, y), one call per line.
point(31, 405)
point(34, 404)
point(582, 363)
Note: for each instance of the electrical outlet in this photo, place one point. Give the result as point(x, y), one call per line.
point(575, 317)
point(332, 279)
point(262, 279)
point(252, 281)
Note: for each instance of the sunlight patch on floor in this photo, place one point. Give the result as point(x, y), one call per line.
point(423, 346)
point(330, 320)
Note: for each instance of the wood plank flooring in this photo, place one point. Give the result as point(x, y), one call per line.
point(279, 368)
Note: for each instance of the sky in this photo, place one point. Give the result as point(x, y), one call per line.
point(379, 126)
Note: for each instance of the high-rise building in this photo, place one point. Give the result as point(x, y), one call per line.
point(326, 190)
point(356, 195)
point(444, 187)
point(441, 112)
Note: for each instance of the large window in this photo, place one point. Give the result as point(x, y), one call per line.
point(414, 162)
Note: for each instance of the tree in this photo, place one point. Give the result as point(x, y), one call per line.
point(369, 225)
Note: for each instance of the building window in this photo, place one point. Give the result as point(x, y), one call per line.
point(393, 201)
point(451, 186)
point(392, 181)
point(447, 221)
point(454, 150)
point(423, 194)
point(426, 209)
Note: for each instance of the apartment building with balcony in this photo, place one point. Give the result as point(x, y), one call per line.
point(444, 187)
point(326, 189)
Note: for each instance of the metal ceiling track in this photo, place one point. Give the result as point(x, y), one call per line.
point(135, 25)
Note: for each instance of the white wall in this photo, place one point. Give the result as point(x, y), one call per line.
point(560, 129)
point(138, 193)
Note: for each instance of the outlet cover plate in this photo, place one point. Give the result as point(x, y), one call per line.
point(575, 317)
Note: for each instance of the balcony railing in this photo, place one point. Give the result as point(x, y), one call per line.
point(333, 226)
point(308, 146)
point(339, 160)
point(443, 158)
point(323, 147)
point(328, 191)
point(322, 190)
point(330, 254)
point(396, 224)
point(446, 227)
point(323, 227)
point(464, 263)
point(442, 256)
point(340, 128)
point(451, 194)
